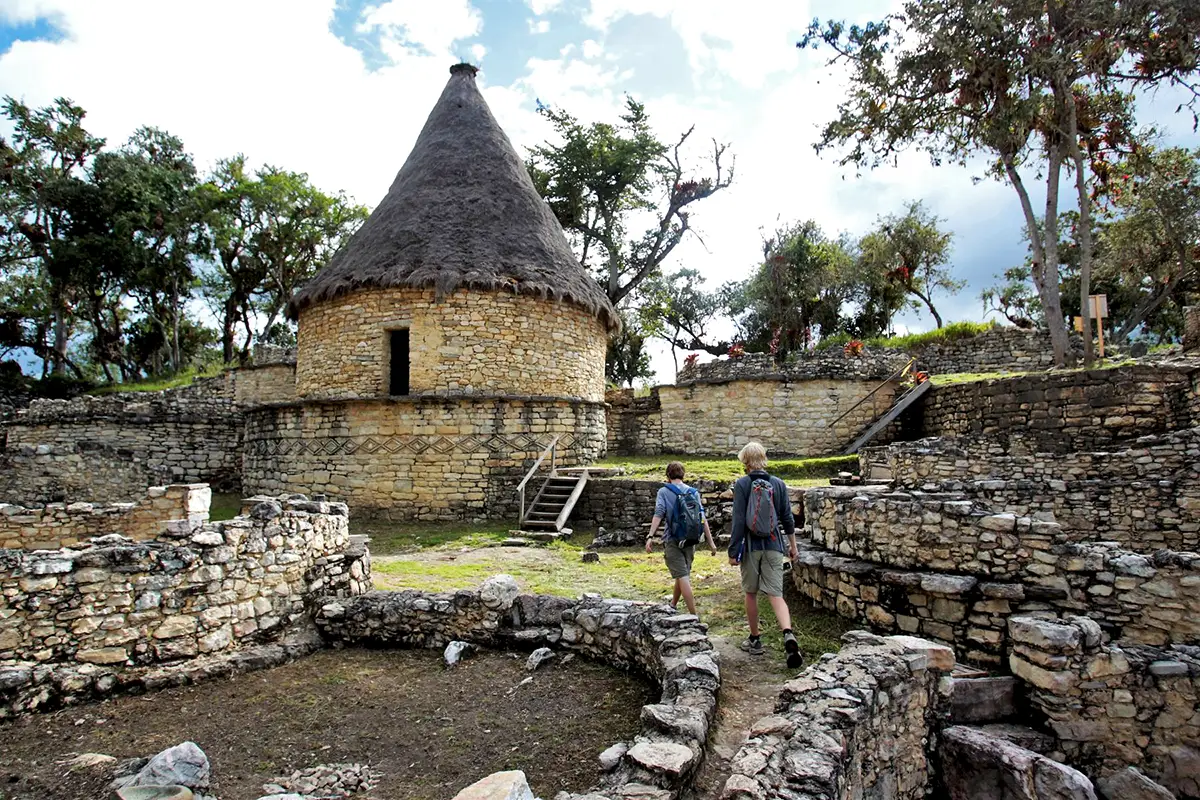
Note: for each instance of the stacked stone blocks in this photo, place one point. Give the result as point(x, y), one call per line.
point(56, 525)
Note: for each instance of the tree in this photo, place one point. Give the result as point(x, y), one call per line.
point(1150, 237)
point(271, 232)
point(677, 310)
point(1021, 81)
point(602, 179)
point(796, 296)
point(50, 149)
point(1013, 299)
point(627, 358)
point(910, 252)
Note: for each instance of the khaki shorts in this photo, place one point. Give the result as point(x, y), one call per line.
point(762, 571)
point(679, 559)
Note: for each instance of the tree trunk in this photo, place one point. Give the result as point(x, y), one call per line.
point(228, 326)
point(1048, 286)
point(1085, 223)
point(937, 318)
point(1050, 299)
point(61, 339)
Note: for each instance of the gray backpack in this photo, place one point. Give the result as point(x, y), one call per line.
point(761, 519)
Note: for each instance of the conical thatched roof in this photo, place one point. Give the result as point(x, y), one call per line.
point(462, 212)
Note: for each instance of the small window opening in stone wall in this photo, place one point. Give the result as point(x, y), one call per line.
point(399, 360)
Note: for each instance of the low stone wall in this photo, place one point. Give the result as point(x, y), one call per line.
point(1110, 706)
point(673, 649)
point(788, 418)
point(634, 423)
point(996, 349)
point(1146, 497)
point(258, 385)
point(91, 612)
point(416, 457)
point(1062, 412)
point(56, 525)
point(187, 435)
point(859, 723)
point(78, 472)
point(1136, 599)
point(626, 505)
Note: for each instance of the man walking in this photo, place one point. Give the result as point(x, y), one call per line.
point(678, 506)
point(760, 507)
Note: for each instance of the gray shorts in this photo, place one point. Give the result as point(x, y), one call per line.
point(679, 559)
point(762, 571)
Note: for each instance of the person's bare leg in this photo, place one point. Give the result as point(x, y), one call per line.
point(684, 586)
point(675, 594)
point(779, 606)
point(752, 612)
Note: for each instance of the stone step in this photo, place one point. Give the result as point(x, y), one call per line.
point(978, 700)
point(1020, 735)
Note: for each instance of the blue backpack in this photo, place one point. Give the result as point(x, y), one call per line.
point(687, 523)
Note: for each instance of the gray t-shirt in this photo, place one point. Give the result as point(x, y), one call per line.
point(664, 507)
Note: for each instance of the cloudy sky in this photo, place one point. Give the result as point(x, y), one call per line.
point(340, 88)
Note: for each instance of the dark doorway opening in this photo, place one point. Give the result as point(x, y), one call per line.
point(398, 379)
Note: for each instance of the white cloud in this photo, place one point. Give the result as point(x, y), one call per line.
point(539, 26)
point(478, 51)
point(540, 7)
point(432, 26)
point(25, 11)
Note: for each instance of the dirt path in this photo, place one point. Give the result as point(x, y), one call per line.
point(749, 687)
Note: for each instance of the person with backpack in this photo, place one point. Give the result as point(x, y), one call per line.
point(679, 510)
point(761, 507)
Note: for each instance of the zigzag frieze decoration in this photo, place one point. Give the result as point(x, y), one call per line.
point(408, 443)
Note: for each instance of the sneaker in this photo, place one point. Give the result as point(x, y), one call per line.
point(794, 659)
point(753, 646)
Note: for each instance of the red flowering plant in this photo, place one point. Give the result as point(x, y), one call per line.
point(737, 350)
point(854, 347)
point(691, 359)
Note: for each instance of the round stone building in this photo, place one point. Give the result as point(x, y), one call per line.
point(446, 345)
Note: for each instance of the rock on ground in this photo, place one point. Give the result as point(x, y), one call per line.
point(182, 765)
point(1130, 784)
point(538, 657)
point(510, 785)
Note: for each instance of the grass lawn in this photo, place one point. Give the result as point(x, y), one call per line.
point(815, 470)
point(445, 559)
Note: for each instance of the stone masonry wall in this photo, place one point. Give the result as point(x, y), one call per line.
point(787, 418)
point(187, 435)
point(56, 525)
point(416, 457)
point(270, 383)
point(1145, 497)
point(634, 423)
point(469, 342)
point(1136, 599)
point(1110, 705)
point(1191, 328)
point(672, 649)
point(998, 348)
point(1061, 412)
point(82, 472)
point(861, 723)
point(201, 589)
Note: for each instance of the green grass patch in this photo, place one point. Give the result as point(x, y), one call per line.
point(730, 469)
point(400, 537)
point(159, 383)
point(947, 333)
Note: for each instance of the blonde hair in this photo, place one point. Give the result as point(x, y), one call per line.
point(753, 456)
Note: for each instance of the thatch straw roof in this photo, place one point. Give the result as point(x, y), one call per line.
point(462, 212)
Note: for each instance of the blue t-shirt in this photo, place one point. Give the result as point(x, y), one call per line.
point(664, 507)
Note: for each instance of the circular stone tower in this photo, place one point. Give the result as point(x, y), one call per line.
point(451, 339)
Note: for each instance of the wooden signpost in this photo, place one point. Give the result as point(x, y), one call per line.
point(1097, 310)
